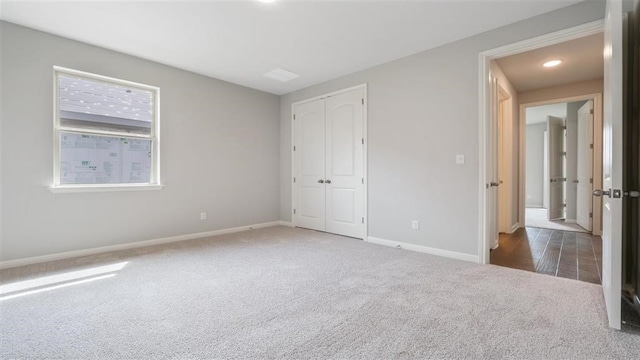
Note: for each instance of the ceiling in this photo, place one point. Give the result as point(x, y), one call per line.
point(582, 60)
point(239, 41)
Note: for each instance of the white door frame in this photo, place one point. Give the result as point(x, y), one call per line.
point(365, 150)
point(484, 61)
point(596, 161)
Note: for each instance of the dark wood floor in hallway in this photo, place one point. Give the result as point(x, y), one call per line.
point(565, 254)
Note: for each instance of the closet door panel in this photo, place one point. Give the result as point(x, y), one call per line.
point(344, 164)
point(309, 164)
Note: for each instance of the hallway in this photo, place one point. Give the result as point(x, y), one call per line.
point(537, 218)
point(571, 255)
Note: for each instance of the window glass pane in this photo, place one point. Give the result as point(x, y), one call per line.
point(95, 105)
point(92, 159)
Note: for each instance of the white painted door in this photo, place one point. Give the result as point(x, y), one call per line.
point(585, 160)
point(309, 165)
point(493, 173)
point(612, 163)
point(328, 188)
point(344, 164)
point(555, 131)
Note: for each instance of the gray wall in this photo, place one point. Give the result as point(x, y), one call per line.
point(220, 153)
point(534, 188)
point(423, 110)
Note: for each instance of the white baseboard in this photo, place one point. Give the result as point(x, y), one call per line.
point(133, 245)
point(286, 223)
point(425, 249)
point(515, 227)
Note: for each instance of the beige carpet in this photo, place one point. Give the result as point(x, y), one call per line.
point(297, 294)
point(538, 218)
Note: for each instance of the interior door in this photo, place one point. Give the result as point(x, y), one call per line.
point(612, 163)
point(493, 174)
point(555, 131)
point(309, 163)
point(345, 164)
point(585, 160)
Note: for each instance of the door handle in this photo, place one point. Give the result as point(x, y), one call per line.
point(320, 181)
point(328, 181)
point(633, 194)
point(493, 183)
point(599, 192)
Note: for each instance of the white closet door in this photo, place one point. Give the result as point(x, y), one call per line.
point(345, 164)
point(309, 162)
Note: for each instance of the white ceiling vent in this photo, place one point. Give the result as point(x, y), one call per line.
point(281, 75)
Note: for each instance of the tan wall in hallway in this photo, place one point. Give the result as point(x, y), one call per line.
point(563, 91)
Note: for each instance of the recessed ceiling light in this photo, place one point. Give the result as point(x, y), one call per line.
point(266, 1)
point(281, 75)
point(552, 63)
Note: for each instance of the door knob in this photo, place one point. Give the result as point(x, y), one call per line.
point(602, 193)
point(320, 181)
point(633, 194)
point(494, 183)
point(328, 181)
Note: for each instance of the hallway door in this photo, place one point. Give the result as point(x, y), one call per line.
point(612, 163)
point(555, 162)
point(584, 199)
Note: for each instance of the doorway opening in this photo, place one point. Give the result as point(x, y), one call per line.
point(559, 162)
point(563, 163)
point(492, 77)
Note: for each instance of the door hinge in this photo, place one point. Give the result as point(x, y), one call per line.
point(590, 214)
point(591, 111)
point(564, 128)
point(362, 101)
point(362, 141)
point(363, 220)
point(591, 181)
point(564, 153)
point(564, 179)
point(294, 211)
point(294, 148)
point(294, 179)
point(564, 205)
point(590, 146)
point(294, 116)
point(363, 181)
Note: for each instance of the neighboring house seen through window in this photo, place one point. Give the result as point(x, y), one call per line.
point(106, 132)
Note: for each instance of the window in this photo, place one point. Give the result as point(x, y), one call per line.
point(106, 133)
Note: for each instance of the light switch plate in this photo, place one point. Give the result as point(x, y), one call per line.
point(459, 159)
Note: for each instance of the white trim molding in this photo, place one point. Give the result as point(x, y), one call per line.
point(484, 62)
point(133, 245)
point(423, 249)
point(60, 189)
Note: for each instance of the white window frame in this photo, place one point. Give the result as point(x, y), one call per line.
point(154, 136)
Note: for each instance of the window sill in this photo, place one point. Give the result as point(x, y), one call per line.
point(62, 189)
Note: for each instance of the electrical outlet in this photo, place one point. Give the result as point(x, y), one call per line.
point(203, 216)
point(415, 224)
